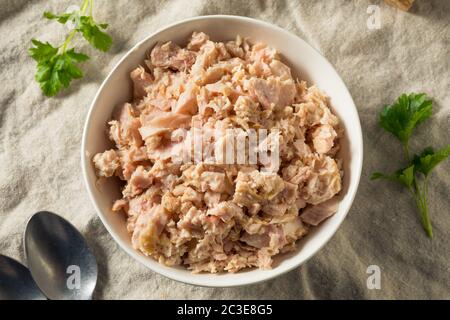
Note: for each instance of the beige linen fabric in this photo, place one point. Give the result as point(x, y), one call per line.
point(40, 142)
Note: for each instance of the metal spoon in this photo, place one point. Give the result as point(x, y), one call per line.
point(16, 282)
point(59, 258)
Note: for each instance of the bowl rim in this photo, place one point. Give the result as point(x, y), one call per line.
point(356, 134)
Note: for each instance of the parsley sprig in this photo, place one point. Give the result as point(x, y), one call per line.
point(58, 66)
point(400, 119)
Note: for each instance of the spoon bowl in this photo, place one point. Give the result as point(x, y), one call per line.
point(59, 258)
point(16, 282)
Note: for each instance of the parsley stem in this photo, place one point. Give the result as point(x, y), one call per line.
point(425, 217)
point(91, 4)
point(406, 151)
point(84, 6)
point(421, 202)
point(69, 38)
point(425, 212)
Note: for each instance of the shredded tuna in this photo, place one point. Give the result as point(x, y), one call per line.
point(106, 163)
point(141, 80)
point(169, 55)
point(205, 215)
point(323, 138)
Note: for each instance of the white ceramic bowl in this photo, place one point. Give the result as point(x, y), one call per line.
point(305, 62)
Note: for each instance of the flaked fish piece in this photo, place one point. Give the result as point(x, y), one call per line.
point(171, 56)
point(273, 92)
point(106, 163)
point(324, 179)
point(141, 80)
point(198, 39)
point(187, 102)
point(125, 130)
point(314, 215)
point(257, 187)
point(323, 138)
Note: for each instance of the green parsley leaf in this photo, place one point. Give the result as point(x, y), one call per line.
point(62, 18)
point(76, 56)
point(92, 33)
point(400, 119)
point(58, 66)
point(56, 72)
point(90, 30)
point(405, 114)
point(429, 159)
point(404, 176)
point(42, 51)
